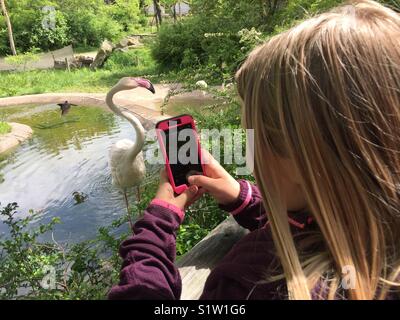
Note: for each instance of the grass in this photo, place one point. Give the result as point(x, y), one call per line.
point(81, 80)
point(135, 63)
point(4, 127)
point(79, 50)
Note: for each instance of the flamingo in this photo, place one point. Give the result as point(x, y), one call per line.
point(126, 158)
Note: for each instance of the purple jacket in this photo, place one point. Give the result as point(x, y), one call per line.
point(148, 270)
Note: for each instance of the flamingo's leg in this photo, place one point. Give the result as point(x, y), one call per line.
point(138, 193)
point(127, 210)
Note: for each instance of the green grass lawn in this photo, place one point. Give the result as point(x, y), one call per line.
point(4, 127)
point(135, 63)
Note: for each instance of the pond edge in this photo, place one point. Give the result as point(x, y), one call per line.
point(19, 133)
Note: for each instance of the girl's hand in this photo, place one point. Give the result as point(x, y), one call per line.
point(166, 193)
point(217, 182)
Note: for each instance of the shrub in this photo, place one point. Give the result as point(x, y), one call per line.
point(4, 127)
point(180, 45)
point(132, 58)
point(82, 23)
point(220, 34)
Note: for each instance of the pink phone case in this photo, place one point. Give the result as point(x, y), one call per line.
point(163, 126)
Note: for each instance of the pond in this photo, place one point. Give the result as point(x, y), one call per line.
point(66, 156)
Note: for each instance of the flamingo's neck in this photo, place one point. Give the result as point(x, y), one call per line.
point(140, 132)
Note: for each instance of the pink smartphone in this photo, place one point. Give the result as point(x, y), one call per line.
point(180, 146)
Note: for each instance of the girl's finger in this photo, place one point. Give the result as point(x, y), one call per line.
point(187, 196)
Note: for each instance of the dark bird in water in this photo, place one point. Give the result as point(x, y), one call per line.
point(65, 107)
point(79, 197)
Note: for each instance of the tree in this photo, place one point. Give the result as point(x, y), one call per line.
point(157, 12)
point(271, 6)
point(9, 27)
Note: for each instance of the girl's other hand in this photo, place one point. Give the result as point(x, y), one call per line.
point(217, 182)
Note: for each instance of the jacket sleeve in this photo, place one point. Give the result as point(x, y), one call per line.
point(248, 210)
point(148, 270)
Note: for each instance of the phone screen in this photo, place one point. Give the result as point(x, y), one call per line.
point(183, 153)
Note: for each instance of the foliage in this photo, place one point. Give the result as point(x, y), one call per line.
point(31, 269)
point(76, 22)
point(30, 31)
point(220, 34)
point(131, 59)
point(195, 42)
point(4, 127)
point(211, 37)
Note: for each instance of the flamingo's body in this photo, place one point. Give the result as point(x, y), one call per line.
point(126, 158)
point(125, 171)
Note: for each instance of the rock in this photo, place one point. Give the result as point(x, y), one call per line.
point(60, 65)
point(19, 133)
point(77, 62)
point(84, 61)
point(130, 42)
point(104, 52)
point(126, 49)
point(134, 41)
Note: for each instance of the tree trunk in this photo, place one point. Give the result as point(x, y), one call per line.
point(9, 27)
point(157, 12)
point(174, 13)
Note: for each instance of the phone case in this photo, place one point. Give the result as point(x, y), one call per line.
point(164, 125)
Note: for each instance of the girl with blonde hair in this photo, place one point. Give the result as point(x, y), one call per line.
point(323, 99)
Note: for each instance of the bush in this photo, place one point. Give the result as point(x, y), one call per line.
point(180, 45)
point(90, 29)
point(215, 36)
point(80, 23)
point(31, 269)
point(4, 127)
point(194, 43)
point(132, 58)
point(29, 32)
point(220, 34)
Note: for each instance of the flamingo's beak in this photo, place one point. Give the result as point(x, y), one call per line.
point(151, 88)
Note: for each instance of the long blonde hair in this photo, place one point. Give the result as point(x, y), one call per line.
point(326, 95)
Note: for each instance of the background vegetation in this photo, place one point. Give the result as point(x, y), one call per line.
point(219, 34)
point(80, 23)
point(4, 127)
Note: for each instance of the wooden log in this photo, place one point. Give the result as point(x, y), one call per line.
point(196, 265)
